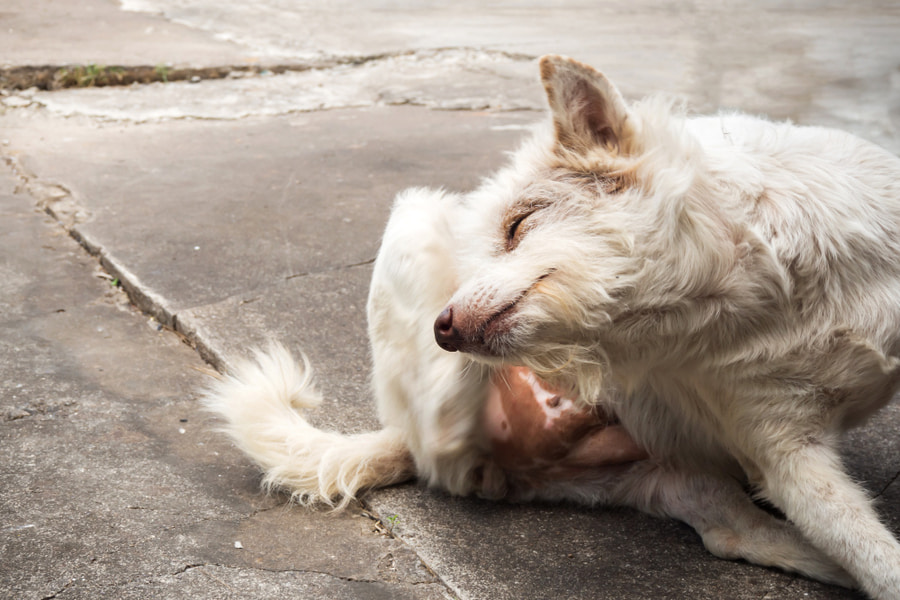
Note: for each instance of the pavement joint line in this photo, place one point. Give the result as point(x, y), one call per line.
point(887, 485)
point(63, 76)
point(57, 77)
point(59, 591)
point(349, 579)
point(142, 296)
point(369, 511)
point(320, 272)
point(47, 193)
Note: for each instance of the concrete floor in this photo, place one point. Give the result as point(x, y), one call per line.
point(238, 209)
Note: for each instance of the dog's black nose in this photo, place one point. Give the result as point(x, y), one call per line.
point(445, 334)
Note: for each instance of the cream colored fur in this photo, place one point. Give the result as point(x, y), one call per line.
point(727, 286)
point(738, 279)
point(430, 403)
point(262, 403)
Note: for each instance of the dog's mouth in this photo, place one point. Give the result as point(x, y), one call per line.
point(493, 331)
point(494, 326)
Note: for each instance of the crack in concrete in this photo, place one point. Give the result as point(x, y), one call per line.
point(348, 579)
point(63, 76)
point(236, 520)
point(368, 511)
point(471, 79)
point(59, 591)
point(322, 271)
point(53, 198)
point(887, 485)
point(37, 408)
point(62, 205)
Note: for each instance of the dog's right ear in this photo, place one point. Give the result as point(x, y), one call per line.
point(588, 110)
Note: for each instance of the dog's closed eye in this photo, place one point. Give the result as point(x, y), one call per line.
point(512, 234)
point(518, 227)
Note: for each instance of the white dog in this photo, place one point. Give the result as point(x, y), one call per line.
point(723, 290)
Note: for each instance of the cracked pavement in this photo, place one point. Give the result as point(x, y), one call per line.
point(148, 228)
point(113, 482)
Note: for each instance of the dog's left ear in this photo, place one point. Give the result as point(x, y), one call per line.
point(588, 110)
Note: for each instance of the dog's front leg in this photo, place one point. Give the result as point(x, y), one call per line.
point(809, 484)
point(729, 523)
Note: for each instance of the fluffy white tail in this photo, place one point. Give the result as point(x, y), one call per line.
point(262, 401)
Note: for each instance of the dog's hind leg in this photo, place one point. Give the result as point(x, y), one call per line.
point(811, 487)
point(717, 507)
point(733, 527)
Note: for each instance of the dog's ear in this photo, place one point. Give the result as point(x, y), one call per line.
point(588, 110)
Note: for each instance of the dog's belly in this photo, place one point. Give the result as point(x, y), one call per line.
point(537, 433)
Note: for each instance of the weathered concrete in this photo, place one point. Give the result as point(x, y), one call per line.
point(113, 485)
point(57, 32)
point(289, 196)
point(489, 550)
point(238, 210)
point(814, 61)
point(470, 79)
point(312, 296)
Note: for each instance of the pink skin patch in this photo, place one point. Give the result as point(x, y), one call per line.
point(537, 432)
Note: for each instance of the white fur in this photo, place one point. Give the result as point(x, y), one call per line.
point(738, 279)
point(261, 402)
point(727, 286)
point(430, 403)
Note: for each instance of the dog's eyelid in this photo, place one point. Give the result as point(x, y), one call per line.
point(527, 210)
point(514, 229)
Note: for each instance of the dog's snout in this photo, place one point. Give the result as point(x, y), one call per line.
point(446, 334)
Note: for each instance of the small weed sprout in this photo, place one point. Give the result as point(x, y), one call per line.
point(163, 72)
point(392, 520)
point(88, 76)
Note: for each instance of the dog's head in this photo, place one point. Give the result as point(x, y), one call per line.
point(588, 222)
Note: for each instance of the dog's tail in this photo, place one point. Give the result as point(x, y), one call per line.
point(262, 402)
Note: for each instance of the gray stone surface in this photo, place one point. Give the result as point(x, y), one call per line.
point(58, 32)
point(489, 550)
point(241, 205)
point(241, 209)
point(112, 484)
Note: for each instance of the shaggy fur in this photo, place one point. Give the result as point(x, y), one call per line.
point(727, 286)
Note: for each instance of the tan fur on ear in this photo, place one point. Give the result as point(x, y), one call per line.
point(588, 110)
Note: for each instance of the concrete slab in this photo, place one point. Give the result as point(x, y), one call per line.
point(233, 213)
point(58, 32)
point(188, 206)
point(112, 484)
point(322, 315)
point(811, 61)
point(447, 79)
point(498, 551)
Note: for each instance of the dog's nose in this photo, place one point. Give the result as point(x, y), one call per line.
point(445, 334)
